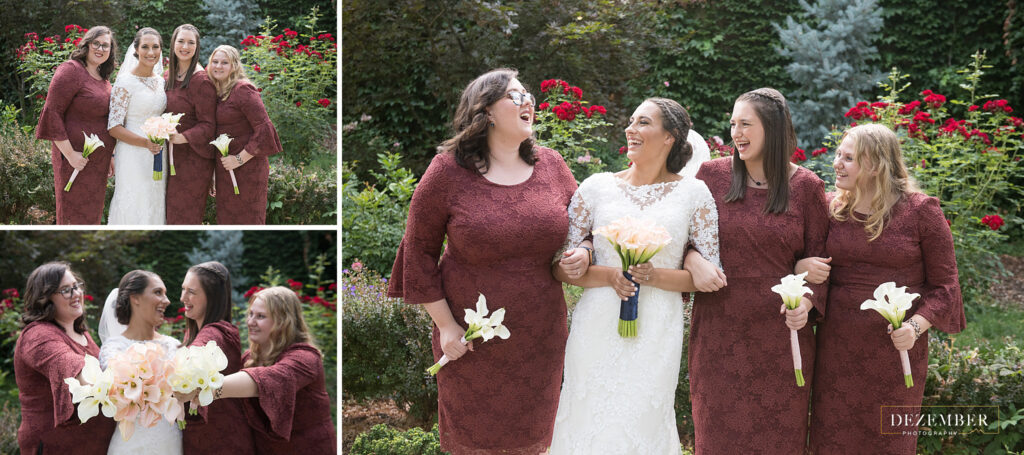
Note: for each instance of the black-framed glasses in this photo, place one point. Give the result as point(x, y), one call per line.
point(68, 291)
point(518, 98)
point(99, 47)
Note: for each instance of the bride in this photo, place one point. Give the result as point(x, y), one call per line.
point(137, 95)
point(618, 394)
point(139, 301)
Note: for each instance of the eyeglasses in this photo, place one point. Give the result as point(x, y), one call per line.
point(68, 291)
point(99, 47)
point(518, 98)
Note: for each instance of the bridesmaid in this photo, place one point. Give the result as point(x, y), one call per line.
point(52, 346)
point(78, 102)
point(190, 92)
point(502, 203)
point(287, 407)
point(771, 213)
point(242, 116)
point(882, 228)
point(206, 294)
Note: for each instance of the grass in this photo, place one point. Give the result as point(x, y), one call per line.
point(992, 324)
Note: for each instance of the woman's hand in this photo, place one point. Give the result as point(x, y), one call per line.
point(817, 269)
point(76, 160)
point(178, 139)
point(796, 318)
point(642, 273)
point(623, 287)
point(574, 262)
point(153, 147)
point(451, 341)
point(706, 277)
point(232, 162)
point(110, 172)
point(213, 186)
point(904, 338)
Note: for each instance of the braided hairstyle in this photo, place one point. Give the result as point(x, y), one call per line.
point(676, 121)
point(132, 283)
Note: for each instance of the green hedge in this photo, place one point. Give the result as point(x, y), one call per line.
point(382, 439)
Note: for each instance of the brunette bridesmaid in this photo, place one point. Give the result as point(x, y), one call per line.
point(77, 104)
point(190, 92)
point(771, 213)
point(282, 379)
point(52, 346)
point(206, 294)
point(242, 116)
point(882, 228)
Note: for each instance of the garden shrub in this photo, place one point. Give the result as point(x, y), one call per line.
point(382, 439)
point(976, 376)
point(387, 346)
point(10, 420)
point(567, 124)
point(26, 176)
point(302, 195)
point(373, 222)
point(296, 74)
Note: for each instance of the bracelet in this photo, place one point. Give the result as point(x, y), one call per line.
point(916, 326)
point(239, 158)
point(590, 253)
point(218, 393)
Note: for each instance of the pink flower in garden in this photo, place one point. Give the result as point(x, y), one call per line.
point(993, 221)
point(357, 266)
point(666, 83)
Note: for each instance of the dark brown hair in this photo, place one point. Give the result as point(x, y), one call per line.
point(469, 144)
point(676, 121)
point(215, 280)
point(133, 283)
point(106, 68)
point(779, 145)
point(42, 283)
point(143, 32)
point(172, 68)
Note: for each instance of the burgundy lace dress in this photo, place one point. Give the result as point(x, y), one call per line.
point(215, 428)
point(77, 103)
point(858, 370)
point(744, 393)
point(501, 398)
point(43, 356)
point(293, 411)
point(187, 189)
point(243, 117)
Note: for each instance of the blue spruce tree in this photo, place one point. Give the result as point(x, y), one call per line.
point(831, 53)
point(230, 22)
point(227, 248)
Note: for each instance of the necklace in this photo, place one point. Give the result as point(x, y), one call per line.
point(755, 181)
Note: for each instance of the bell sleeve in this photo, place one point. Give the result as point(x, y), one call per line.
point(203, 97)
point(63, 88)
point(52, 357)
point(278, 385)
point(264, 140)
point(941, 301)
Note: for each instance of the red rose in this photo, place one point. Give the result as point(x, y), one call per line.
point(994, 222)
point(879, 105)
point(324, 102)
point(623, 149)
point(973, 108)
point(68, 28)
point(543, 106)
point(586, 111)
point(298, 104)
point(909, 107)
point(862, 104)
point(949, 223)
point(577, 92)
point(923, 117)
point(820, 151)
point(798, 156)
point(333, 286)
point(47, 52)
point(294, 284)
point(934, 99)
point(256, 67)
point(599, 109)
point(11, 292)
point(290, 33)
point(924, 164)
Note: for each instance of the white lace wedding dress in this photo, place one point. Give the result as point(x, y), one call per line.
point(618, 393)
point(138, 199)
point(162, 439)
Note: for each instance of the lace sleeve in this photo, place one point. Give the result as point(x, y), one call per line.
point(581, 220)
point(704, 227)
point(119, 98)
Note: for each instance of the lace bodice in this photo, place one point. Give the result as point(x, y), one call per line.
point(697, 221)
point(135, 99)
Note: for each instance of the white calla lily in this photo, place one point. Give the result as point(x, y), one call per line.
point(480, 326)
point(891, 302)
point(792, 288)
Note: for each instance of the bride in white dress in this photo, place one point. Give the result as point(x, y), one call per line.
point(139, 300)
point(137, 95)
point(618, 393)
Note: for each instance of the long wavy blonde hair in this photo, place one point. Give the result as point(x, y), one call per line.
point(289, 328)
point(236, 75)
point(876, 149)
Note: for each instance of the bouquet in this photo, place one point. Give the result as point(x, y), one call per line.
point(158, 130)
point(636, 242)
point(479, 327)
point(892, 303)
point(139, 384)
point(221, 143)
point(92, 142)
point(792, 289)
point(198, 367)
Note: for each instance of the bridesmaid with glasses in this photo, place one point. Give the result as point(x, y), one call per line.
point(52, 346)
